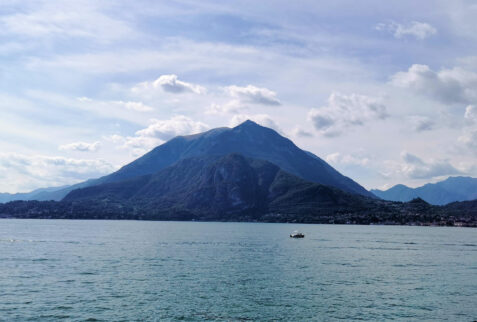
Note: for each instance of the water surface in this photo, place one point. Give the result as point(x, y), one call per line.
point(131, 270)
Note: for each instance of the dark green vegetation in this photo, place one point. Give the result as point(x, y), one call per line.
point(235, 188)
point(440, 193)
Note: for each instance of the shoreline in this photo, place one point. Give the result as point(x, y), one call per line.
point(434, 225)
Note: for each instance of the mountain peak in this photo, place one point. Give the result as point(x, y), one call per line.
point(248, 123)
point(248, 139)
point(250, 126)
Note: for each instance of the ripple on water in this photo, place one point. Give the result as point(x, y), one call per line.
point(103, 271)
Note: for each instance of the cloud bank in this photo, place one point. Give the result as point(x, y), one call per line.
point(254, 95)
point(81, 147)
point(416, 29)
point(346, 111)
point(413, 167)
point(27, 171)
point(421, 123)
point(170, 84)
point(449, 86)
point(157, 133)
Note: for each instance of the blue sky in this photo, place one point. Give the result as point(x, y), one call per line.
point(385, 91)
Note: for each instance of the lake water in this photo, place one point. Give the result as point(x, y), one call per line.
point(131, 270)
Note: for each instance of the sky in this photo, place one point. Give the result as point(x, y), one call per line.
point(384, 91)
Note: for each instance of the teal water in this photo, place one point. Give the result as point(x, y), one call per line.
point(129, 270)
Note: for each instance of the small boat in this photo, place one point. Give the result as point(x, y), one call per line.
point(297, 234)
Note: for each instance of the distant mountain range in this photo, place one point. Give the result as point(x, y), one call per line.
point(38, 194)
point(440, 193)
point(249, 139)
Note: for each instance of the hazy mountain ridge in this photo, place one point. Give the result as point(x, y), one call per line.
point(450, 190)
point(41, 194)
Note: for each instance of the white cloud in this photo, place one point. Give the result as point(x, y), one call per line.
point(346, 111)
point(297, 132)
point(81, 147)
point(413, 167)
point(167, 129)
point(469, 139)
point(242, 97)
point(233, 106)
point(128, 105)
point(26, 172)
point(421, 123)
point(254, 95)
point(157, 133)
point(469, 132)
point(471, 114)
point(347, 159)
point(419, 30)
point(169, 83)
point(135, 106)
point(66, 20)
point(448, 85)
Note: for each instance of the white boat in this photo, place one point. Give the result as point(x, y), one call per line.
point(297, 234)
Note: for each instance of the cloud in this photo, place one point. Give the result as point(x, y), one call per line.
point(419, 30)
point(414, 167)
point(171, 84)
point(421, 123)
point(297, 132)
point(233, 106)
point(262, 119)
point(471, 114)
point(167, 129)
point(241, 97)
point(27, 172)
point(81, 147)
point(128, 105)
point(347, 159)
point(254, 95)
point(449, 86)
point(469, 139)
point(135, 106)
point(66, 20)
point(346, 111)
point(469, 132)
point(157, 133)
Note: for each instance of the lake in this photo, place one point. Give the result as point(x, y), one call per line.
point(132, 270)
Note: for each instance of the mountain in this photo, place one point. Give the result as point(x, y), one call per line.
point(218, 187)
point(248, 139)
point(38, 194)
point(45, 194)
point(440, 193)
point(236, 188)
